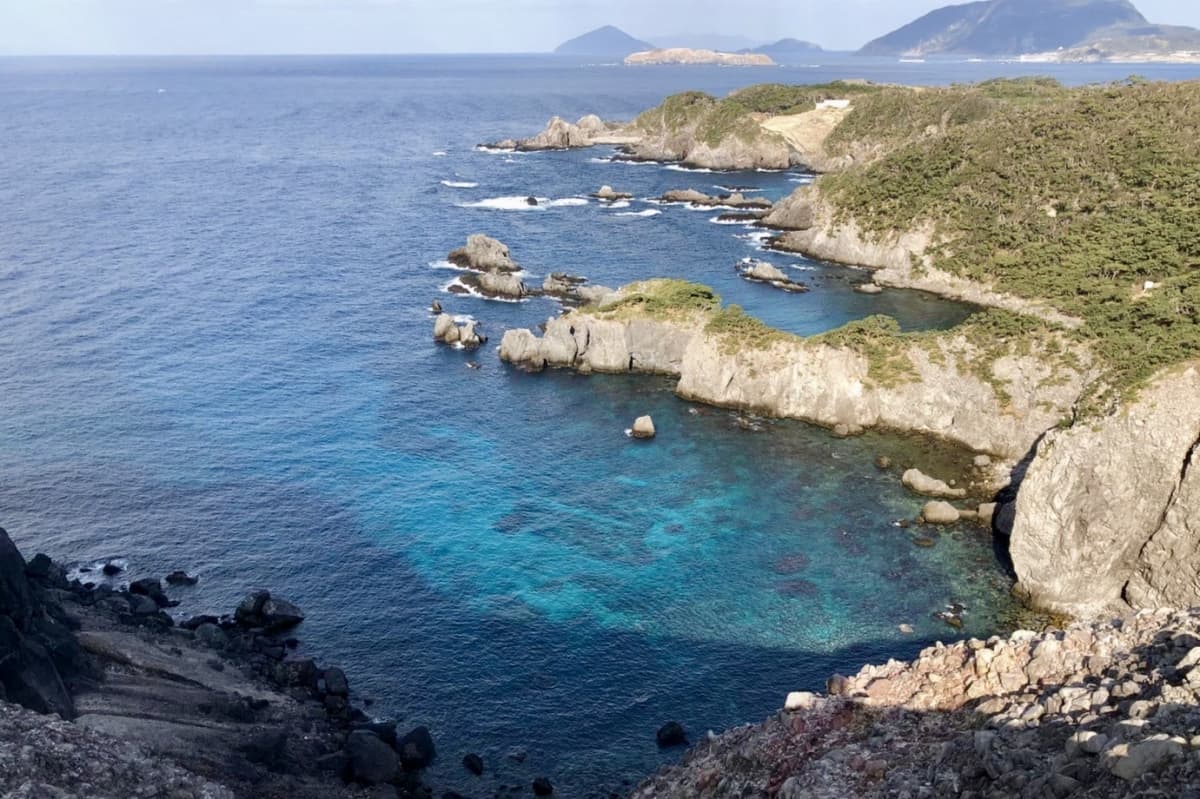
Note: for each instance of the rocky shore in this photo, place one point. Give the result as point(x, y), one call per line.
point(1107, 708)
point(104, 694)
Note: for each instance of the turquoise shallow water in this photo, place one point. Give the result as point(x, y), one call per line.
point(215, 354)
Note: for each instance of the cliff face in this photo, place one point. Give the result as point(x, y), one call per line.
point(1105, 709)
point(812, 227)
point(944, 395)
point(1109, 512)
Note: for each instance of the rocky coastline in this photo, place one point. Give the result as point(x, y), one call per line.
point(1105, 708)
point(103, 693)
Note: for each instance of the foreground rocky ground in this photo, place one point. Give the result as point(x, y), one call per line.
point(102, 695)
point(1102, 709)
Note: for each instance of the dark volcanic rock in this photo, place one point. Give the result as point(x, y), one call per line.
point(336, 683)
point(671, 734)
point(417, 750)
point(272, 614)
point(181, 578)
point(151, 587)
point(371, 760)
point(542, 787)
point(474, 764)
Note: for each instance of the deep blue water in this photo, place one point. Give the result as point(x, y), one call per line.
point(215, 354)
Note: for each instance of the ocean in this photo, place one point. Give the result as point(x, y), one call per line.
point(216, 355)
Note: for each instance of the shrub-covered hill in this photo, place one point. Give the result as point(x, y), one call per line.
point(1087, 198)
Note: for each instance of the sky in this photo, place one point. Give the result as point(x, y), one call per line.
point(445, 26)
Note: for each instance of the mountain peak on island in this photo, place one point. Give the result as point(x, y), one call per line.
point(785, 51)
point(606, 41)
point(1007, 27)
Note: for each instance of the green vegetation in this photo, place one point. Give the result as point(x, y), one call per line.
point(898, 115)
point(715, 120)
point(742, 331)
point(1077, 197)
point(664, 299)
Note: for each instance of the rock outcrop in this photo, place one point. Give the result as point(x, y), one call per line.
point(609, 195)
point(484, 254)
point(40, 660)
point(1109, 510)
point(1102, 709)
point(764, 272)
point(735, 200)
point(214, 707)
point(492, 272)
point(944, 395)
point(916, 480)
point(448, 331)
point(560, 134)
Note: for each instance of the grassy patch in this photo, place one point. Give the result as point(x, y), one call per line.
point(739, 330)
point(664, 299)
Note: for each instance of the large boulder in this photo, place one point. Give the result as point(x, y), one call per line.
point(940, 512)
point(921, 483)
point(499, 286)
point(447, 331)
point(372, 762)
point(273, 614)
point(417, 750)
point(483, 254)
point(643, 427)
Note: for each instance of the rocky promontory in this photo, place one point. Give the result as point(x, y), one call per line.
point(1107, 708)
point(952, 386)
point(104, 694)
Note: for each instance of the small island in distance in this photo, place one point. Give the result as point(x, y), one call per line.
point(1029, 30)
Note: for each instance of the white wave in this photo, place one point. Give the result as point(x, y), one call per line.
point(483, 148)
point(460, 184)
point(595, 160)
point(769, 171)
point(507, 204)
point(439, 153)
point(717, 220)
point(522, 203)
point(471, 292)
point(619, 204)
point(682, 168)
point(647, 213)
point(741, 189)
point(447, 265)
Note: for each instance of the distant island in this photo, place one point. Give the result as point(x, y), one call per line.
point(789, 51)
point(1042, 30)
point(606, 41)
point(612, 42)
point(683, 55)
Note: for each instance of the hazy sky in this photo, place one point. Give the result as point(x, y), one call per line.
point(429, 26)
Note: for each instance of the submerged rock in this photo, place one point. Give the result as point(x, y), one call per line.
point(921, 483)
point(542, 787)
point(671, 734)
point(474, 764)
